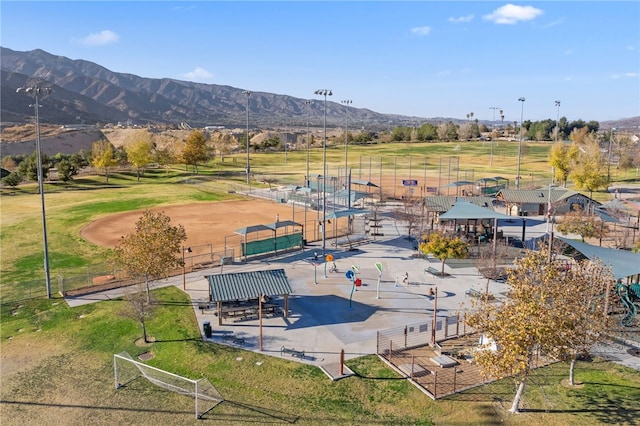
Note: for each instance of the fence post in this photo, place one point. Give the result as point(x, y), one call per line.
point(405, 336)
point(435, 384)
point(446, 327)
point(457, 324)
point(464, 324)
point(455, 373)
point(412, 364)
point(390, 348)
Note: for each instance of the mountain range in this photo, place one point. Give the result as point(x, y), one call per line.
point(84, 92)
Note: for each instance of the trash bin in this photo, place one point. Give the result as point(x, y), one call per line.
point(206, 327)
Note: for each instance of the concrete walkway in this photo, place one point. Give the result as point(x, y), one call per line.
point(328, 317)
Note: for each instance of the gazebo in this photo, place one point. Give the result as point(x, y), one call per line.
point(243, 292)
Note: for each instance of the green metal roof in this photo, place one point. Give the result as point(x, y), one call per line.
point(345, 213)
point(442, 203)
point(248, 285)
point(464, 210)
point(534, 196)
point(268, 227)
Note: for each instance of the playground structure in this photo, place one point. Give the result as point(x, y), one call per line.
point(630, 298)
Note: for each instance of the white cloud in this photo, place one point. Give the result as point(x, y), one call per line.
point(100, 39)
point(626, 74)
point(199, 75)
point(461, 19)
point(512, 14)
point(421, 31)
point(630, 47)
point(553, 23)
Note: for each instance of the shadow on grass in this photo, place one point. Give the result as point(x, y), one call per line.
point(276, 415)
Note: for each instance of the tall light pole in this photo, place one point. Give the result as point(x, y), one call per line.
point(557, 103)
point(346, 133)
point(36, 91)
point(609, 155)
point(493, 130)
point(248, 93)
point(307, 178)
point(347, 102)
point(520, 143)
point(325, 93)
point(307, 182)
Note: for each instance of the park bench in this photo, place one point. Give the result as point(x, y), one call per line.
point(292, 352)
point(433, 271)
point(475, 293)
point(352, 241)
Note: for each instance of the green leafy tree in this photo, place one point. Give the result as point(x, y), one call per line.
point(139, 151)
point(150, 251)
point(102, 156)
point(13, 179)
point(164, 156)
point(195, 149)
point(66, 170)
point(444, 247)
point(427, 132)
point(29, 166)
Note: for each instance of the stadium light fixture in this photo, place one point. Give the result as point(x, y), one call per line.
point(325, 93)
point(248, 93)
point(36, 91)
point(520, 143)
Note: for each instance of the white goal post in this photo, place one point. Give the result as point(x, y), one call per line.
point(126, 370)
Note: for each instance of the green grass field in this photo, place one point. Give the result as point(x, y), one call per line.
point(57, 361)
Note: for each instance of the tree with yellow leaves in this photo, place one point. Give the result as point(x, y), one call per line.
point(444, 247)
point(550, 312)
point(150, 251)
point(103, 156)
point(139, 150)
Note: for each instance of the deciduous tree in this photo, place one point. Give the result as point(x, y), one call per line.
point(103, 156)
point(577, 222)
point(589, 170)
point(444, 247)
point(551, 311)
point(561, 158)
point(521, 326)
point(150, 251)
point(139, 150)
point(581, 318)
point(139, 308)
point(195, 149)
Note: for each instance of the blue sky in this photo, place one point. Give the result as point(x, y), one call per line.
point(417, 58)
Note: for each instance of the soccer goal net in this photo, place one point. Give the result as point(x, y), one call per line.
point(126, 370)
